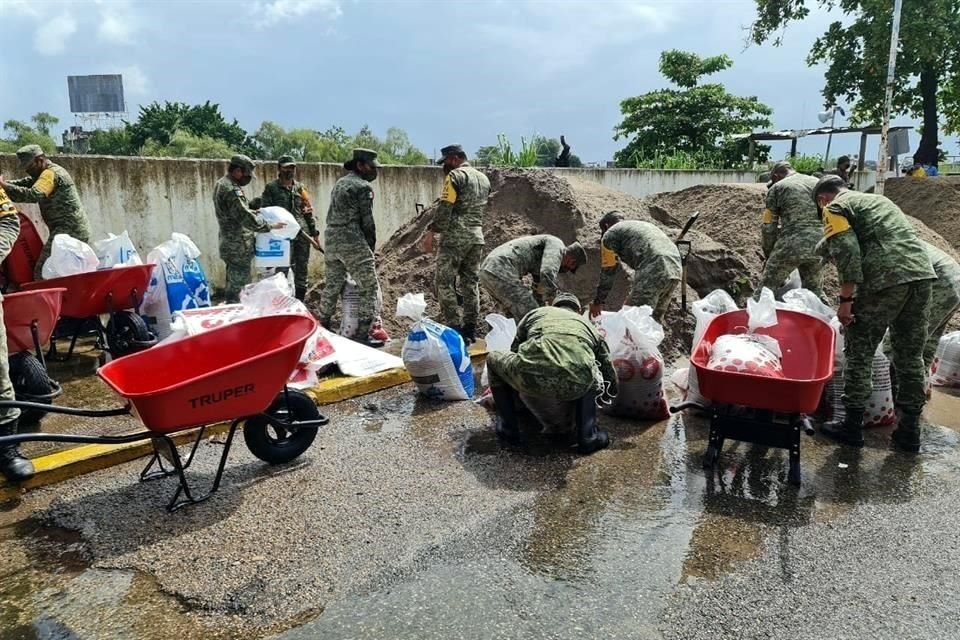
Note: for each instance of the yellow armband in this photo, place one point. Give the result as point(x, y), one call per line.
point(768, 217)
point(45, 184)
point(449, 194)
point(6, 205)
point(608, 257)
point(833, 224)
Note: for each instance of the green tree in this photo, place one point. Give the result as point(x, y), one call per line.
point(19, 133)
point(43, 121)
point(697, 119)
point(184, 144)
point(270, 141)
point(927, 81)
point(112, 142)
point(159, 123)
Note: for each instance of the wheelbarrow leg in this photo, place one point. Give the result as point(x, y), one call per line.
point(714, 447)
point(793, 475)
point(184, 487)
point(157, 459)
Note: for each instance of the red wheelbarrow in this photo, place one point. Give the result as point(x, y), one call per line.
point(758, 409)
point(236, 373)
point(29, 318)
point(117, 292)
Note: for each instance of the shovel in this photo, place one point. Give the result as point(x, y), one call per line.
point(685, 248)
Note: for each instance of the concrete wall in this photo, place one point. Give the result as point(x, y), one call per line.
point(151, 198)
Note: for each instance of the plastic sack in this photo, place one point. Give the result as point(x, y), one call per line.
point(502, 332)
point(270, 251)
point(945, 369)
point(68, 256)
point(178, 283)
point(793, 281)
point(117, 250)
point(272, 215)
point(634, 337)
point(761, 313)
point(705, 309)
point(746, 353)
point(806, 301)
point(350, 319)
point(434, 355)
point(880, 411)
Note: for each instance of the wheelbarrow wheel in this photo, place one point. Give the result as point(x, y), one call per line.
point(277, 445)
point(31, 384)
point(127, 333)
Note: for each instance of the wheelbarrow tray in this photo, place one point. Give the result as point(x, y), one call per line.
point(98, 292)
point(807, 345)
point(22, 309)
point(233, 371)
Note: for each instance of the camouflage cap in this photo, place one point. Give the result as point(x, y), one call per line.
point(828, 183)
point(28, 154)
point(781, 169)
point(242, 161)
point(362, 155)
point(450, 150)
point(576, 250)
point(568, 300)
point(611, 218)
point(286, 161)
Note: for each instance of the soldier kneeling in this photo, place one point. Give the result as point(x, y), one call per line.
point(556, 355)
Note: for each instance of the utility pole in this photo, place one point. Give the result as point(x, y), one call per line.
point(883, 160)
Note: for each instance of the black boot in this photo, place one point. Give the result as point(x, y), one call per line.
point(300, 293)
point(325, 323)
point(469, 333)
point(906, 436)
point(363, 335)
point(13, 465)
point(589, 439)
point(848, 431)
point(507, 427)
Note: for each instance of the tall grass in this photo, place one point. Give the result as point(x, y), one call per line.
point(507, 157)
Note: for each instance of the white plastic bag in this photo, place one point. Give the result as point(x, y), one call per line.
point(705, 310)
point(761, 313)
point(633, 337)
point(272, 249)
point(807, 301)
point(793, 281)
point(503, 330)
point(68, 256)
point(272, 215)
point(747, 353)
point(350, 297)
point(178, 283)
point(434, 355)
point(117, 250)
point(945, 370)
point(879, 411)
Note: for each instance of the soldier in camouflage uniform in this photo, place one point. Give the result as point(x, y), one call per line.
point(13, 465)
point(543, 257)
point(349, 242)
point(944, 299)
point(790, 231)
point(53, 189)
point(459, 221)
point(647, 250)
point(557, 355)
point(885, 283)
point(290, 194)
point(238, 224)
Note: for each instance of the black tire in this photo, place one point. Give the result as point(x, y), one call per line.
point(31, 384)
point(277, 445)
point(128, 333)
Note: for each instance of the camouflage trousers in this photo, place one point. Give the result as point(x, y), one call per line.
point(6, 386)
point(356, 260)
point(655, 292)
point(509, 369)
point(904, 309)
point(512, 295)
point(80, 234)
point(459, 265)
point(238, 276)
point(299, 262)
point(781, 264)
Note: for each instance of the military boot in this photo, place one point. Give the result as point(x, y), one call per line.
point(906, 436)
point(363, 335)
point(848, 431)
point(300, 293)
point(325, 322)
point(589, 439)
point(507, 427)
point(13, 465)
point(469, 333)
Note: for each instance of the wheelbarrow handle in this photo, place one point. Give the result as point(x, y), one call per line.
point(683, 406)
point(68, 411)
point(68, 438)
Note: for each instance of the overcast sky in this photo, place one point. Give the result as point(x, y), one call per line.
point(445, 71)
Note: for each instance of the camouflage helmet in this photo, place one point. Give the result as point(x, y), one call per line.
point(611, 218)
point(286, 161)
point(567, 301)
point(576, 250)
point(28, 153)
point(451, 150)
point(830, 183)
point(242, 161)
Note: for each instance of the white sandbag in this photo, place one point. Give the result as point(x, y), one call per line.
point(350, 297)
point(761, 313)
point(178, 283)
point(272, 249)
point(503, 330)
point(633, 337)
point(434, 355)
point(747, 353)
point(117, 251)
point(945, 369)
point(806, 301)
point(704, 310)
point(69, 256)
point(880, 410)
point(273, 215)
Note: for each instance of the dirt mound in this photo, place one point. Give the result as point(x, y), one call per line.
point(935, 201)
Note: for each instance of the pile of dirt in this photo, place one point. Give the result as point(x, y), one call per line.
point(935, 201)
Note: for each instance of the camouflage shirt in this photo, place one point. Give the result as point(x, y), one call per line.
point(872, 242)
point(555, 341)
point(459, 218)
point(642, 246)
point(56, 194)
point(539, 256)
point(9, 225)
point(791, 214)
point(351, 209)
point(294, 199)
point(947, 287)
point(237, 221)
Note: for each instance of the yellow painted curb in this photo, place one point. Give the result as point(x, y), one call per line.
point(75, 461)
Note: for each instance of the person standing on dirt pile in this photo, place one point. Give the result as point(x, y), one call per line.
point(843, 169)
point(790, 231)
point(647, 250)
point(543, 257)
point(238, 223)
point(287, 192)
point(563, 160)
point(459, 221)
point(557, 355)
point(349, 242)
point(885, 283)
point(13, 465)
point(50, 186)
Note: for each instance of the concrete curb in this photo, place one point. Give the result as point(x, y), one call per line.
point(75, 461)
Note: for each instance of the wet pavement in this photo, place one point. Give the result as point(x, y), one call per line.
point(407, 520)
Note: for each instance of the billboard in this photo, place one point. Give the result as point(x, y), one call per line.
point(96, 94)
